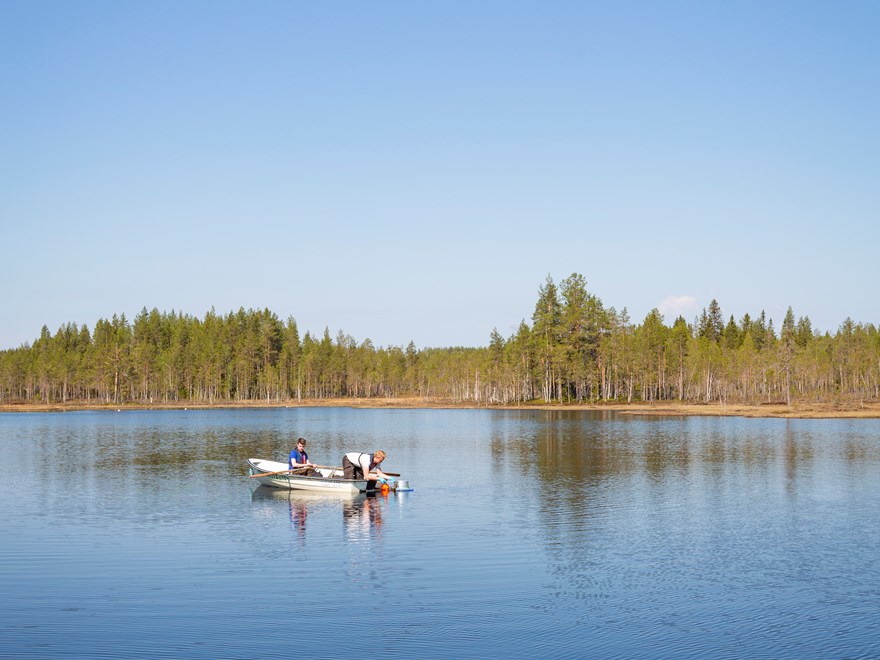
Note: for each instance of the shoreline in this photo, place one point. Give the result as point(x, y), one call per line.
point(798, 410)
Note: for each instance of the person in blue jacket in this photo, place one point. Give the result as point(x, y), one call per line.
point(300, 459)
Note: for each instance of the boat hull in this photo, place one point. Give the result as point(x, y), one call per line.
point(330, 481)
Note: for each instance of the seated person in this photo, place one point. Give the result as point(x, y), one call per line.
point(299, 459)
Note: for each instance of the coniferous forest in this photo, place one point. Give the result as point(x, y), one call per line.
point(573, 350)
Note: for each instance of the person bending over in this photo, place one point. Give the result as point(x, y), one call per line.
point(360, 465)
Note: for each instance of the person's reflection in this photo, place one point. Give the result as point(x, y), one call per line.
point(298, 513)
point(361, 516)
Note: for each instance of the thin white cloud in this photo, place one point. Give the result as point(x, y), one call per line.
point(674, 306)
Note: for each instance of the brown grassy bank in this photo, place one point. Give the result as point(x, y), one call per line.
point(797, 410)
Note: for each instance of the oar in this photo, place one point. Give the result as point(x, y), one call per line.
point(329, 467)
point(268, 474)
point(295, 470)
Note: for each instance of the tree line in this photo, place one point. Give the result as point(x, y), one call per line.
point(574, 350)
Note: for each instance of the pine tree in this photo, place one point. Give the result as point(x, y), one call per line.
point(787, 341)
point(711, 324)
point(547, 320)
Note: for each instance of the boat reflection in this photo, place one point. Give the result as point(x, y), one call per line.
point(267, 493)
point(298, 504)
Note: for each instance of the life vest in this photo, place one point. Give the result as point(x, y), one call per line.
point(297, 457)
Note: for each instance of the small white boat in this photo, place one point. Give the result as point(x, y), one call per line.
point(331, 480)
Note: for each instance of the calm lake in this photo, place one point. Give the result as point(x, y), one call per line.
point(533, 533)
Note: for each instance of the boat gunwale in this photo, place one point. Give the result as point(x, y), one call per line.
point(262, 474)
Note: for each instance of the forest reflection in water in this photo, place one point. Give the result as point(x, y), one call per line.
point(655, 514)
point(569, 448)
point(528, 533)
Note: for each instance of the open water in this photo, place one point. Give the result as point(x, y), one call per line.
point(528, 534)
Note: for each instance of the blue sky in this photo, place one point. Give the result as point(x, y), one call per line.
point(413, 171)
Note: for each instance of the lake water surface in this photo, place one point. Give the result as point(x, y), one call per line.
point(528, 534)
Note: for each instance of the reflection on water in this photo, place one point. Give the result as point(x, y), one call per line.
point(362, 517)
point(297, 506)
point(299, 511)
point(584, 448)
point(361, 513)
point(729, 516)
point(547, 533)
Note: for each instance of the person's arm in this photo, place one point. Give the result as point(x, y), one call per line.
point(364, 461)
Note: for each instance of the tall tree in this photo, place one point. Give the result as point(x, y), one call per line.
point(575, 334)
point(712, 322)
point(788, 338)
point(680, 338)
point(545, 330)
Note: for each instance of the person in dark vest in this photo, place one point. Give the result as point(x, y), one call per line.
point(360, 465)
point(300, 459)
